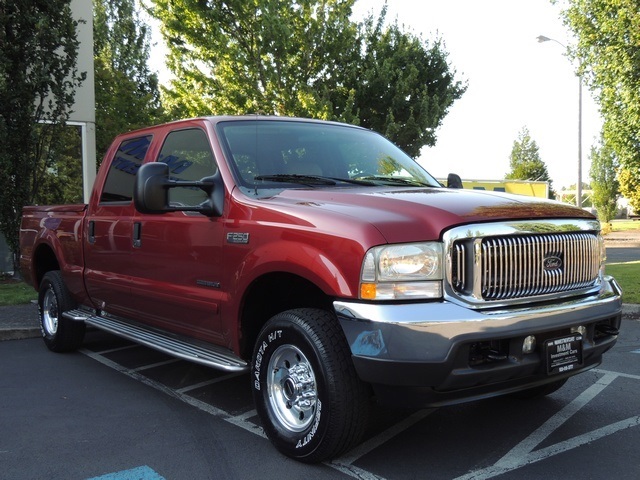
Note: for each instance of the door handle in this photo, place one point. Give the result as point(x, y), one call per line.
point(91, 234)
point(137, 235)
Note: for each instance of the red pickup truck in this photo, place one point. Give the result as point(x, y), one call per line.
point(326, 263)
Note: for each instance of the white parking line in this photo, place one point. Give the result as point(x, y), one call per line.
point(519, 456)
point(523, 454)
point(206, 383)
point(118, 349)
point(345, 465)
point(623, 375)
point(241, 421)
point(154, 365)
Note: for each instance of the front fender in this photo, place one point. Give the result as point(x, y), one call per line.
point(328, 271)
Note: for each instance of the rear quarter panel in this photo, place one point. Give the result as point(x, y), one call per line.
point(56, 230)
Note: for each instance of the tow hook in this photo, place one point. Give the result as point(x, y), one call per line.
point(607, 329)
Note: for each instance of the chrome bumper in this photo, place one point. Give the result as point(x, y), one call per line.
point(428, 331)
point(426, 345)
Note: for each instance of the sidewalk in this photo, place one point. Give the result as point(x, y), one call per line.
point(21, 321)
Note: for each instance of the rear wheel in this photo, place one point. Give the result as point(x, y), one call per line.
point(60, 334)
point(311, 403)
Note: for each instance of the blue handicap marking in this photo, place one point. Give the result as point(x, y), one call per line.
point(139, 473)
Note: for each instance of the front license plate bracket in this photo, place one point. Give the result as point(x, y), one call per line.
point(563, 354)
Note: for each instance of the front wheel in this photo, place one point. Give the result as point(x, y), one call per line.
point(311, 403)
point(60, 334)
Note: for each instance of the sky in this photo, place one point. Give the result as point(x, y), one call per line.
point(513, 82)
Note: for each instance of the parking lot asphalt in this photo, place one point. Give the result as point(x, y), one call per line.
point(115, 410)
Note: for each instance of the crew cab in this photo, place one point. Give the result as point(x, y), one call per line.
point(328, 265)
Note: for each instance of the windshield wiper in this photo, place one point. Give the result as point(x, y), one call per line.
point(395, 181)
point(295, 178)
point(311, 179)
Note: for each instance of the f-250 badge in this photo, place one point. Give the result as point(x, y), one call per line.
point(241, 238)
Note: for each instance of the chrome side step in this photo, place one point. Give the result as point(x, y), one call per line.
point(186, 349)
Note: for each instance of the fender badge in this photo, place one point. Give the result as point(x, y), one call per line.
point(238, 238)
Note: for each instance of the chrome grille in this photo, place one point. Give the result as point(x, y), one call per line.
point(509, 267)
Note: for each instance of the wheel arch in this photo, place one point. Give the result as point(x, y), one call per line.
point(273, 293)
point(44, 260)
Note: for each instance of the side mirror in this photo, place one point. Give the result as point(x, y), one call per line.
point(151, 191)
point(454, 181)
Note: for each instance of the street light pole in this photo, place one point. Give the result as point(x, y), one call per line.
point(542, 38)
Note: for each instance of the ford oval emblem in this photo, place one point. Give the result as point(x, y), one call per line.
point(552, 263)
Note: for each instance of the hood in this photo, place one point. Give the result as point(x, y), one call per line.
point(405, 215)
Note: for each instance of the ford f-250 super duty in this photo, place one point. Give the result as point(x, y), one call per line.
point(326, 263)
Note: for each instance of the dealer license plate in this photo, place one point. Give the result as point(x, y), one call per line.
point(563, 354)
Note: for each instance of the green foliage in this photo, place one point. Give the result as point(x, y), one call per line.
point(629, 178)
point(525, 161)
point(604, 182)
point(38, 78)
point(15, 293)
point(624, 225)
point(608, 33)
point(627, 276)
point(304, 58)
point(62, 181)
point(267, 56)
point(127, 92)
point(403, 86)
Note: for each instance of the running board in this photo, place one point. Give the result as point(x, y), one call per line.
point(208, 355)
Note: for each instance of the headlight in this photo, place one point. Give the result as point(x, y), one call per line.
point(408, 271)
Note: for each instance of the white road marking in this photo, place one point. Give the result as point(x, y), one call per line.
point(119, 349)
point(623, 375)
point(523, 454)
point(206, 383)
point(345, 465)
point(157, 364)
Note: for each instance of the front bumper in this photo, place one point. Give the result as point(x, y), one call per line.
point(430, 354)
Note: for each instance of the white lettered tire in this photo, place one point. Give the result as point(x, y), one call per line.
point(312, 405)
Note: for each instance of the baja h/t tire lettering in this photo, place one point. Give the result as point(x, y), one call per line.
point(312, 405)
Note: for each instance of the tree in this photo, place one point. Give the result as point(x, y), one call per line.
point(62, 181)
point(38, 78)
point(127, 97)
point(403, 86)
point(608, 33)
point(127, 92)
point(305, 58)
point(604, 183)
point(629, 179)
point(262, 56)
point(525, 161)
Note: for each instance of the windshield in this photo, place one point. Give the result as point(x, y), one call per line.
point(280, 154)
